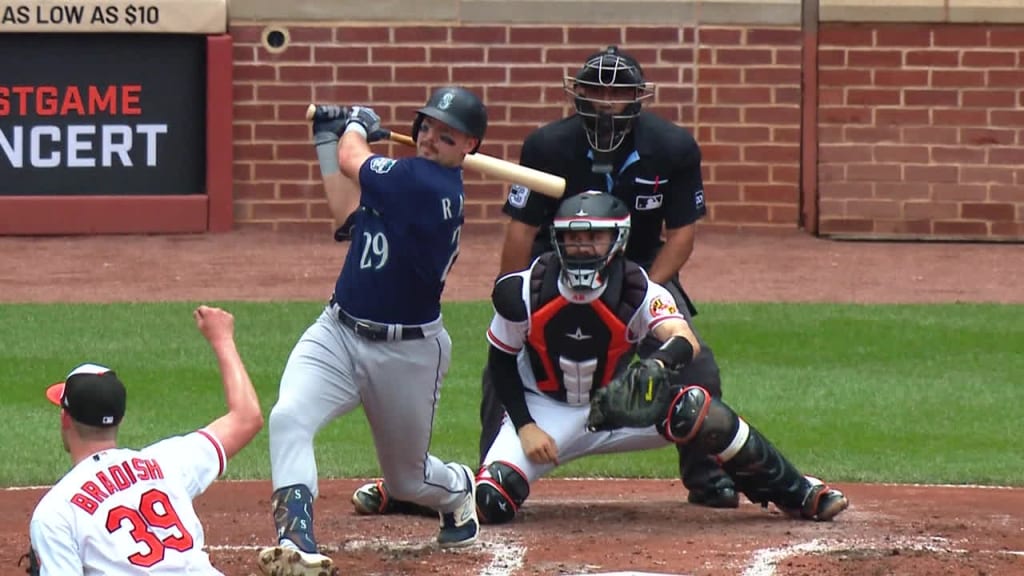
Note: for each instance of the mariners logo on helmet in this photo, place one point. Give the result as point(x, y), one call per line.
point(446, 101)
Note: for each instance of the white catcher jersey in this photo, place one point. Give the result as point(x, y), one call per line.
point(125, 512)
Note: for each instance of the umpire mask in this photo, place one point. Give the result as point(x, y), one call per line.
point(592, 211)
point(607, 92)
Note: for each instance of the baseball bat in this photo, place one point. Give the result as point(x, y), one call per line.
point(497, 168)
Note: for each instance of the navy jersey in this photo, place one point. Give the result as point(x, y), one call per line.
point(404, 242)
point(657, 174)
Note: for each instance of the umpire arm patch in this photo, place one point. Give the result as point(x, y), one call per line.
point(507, 298)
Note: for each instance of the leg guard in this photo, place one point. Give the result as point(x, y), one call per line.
point(758, 469)
point(500, 490)
point(293, 516)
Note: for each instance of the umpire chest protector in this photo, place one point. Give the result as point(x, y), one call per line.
point(574, 347)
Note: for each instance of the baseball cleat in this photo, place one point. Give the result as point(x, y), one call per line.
point(460, 527)
point(821, 503)
point(371, 498)
point(721, 495)
point(281, 561)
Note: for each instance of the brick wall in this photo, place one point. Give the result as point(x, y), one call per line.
point(741, 97)
point(921, 131)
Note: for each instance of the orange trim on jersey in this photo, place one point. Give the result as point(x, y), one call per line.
point(659, 319)
point(499, 344)
point(619, 345)
point(221, 458)
point(538, 321)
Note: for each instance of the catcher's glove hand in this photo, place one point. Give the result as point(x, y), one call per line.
point(32, 561)
point(637, 398)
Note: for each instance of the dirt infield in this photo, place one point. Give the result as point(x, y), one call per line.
point(572, 526)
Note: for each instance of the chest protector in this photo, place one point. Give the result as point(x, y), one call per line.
point(574, 347)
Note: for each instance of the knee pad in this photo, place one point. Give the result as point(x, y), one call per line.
point(500, 490)
point(686, 414)
point(704, 423)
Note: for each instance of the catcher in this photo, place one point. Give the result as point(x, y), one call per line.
point(561, 339)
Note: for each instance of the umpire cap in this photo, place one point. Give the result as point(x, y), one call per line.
point(458, 108)
point(91, 394)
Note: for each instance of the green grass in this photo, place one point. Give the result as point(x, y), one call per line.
point(925, 393)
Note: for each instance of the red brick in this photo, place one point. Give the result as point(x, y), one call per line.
point(291, 111)
point(789, 174)
point(872, 134)
point(740, 213)
point(723, 192)
point(959, 117)
point(508, 132)
point(740, 173)
point(774, 36)
point(300, 190)
point(294, 132)
point(905, 35)
point(480, 34)
point(875, 208)
point(901, 78)
point(831, 97)
point(719, 115)
point(989, 98)
point(241, 171)
point(520, 54)
point(677, 94)
point(715, 153)
point(246, 34)
point(993, 211)
point(933, 58)
point(545, 35)
point(931, 210)
point(918, 173)
point(293, 53)
point(347, 93)
point(457, 54)
point(771, 153)
point(311, 34)
point(830, 134)
point(791, 135)
point(986, 136)
point(478, 74)
point(652, 34)
point(844, 153)
point(1009, 36)
point(742, 134)
point(662, 74)
point(770, 193)
point(570, 56)
point(253, 190)
point(341, 54)
point(872, 97)
point(742, 95)
point(831, 58)
point(705, 56)
point(374, 34)
point(241, 132)
point(1011, 155)
point(785, 115)
point(787, 57)
point(784, 95)
point(547, 75)
point(832, 173)
point(254, 73)
point(305, 73)
point(598, 37)
point(279, 210)
point(960, 36)
point(707, 35)
point(903, 190)
point(284, 93)
point(743, 56)
point(1007, 117)
point(422, 74)
point(771, 75)
point(959, 228)
point(360, 73)
point(535, 114)
point(420, 34)
point(900, 153)
point(246, 54)
point(999, 193)
point(988, 59)
point(958, 155)
point(957, 78)
point(400, 93)
point(845, 226)
point(403, 54)
point(494, 94)
point(929, 135)
point(846, 35)
point(720, 75)
point(873, 172)
point(282, 171)
point(254, 152)
point(844, 190)
point(243, 93)
point(258, 112)
point(987, 175)
point(676, 55)
point(843, 77)
point(902, 116)
point(845, 115)
point(875, 58)
point(904, 227)
point(1010, 230)
point(300, 152)
point(931, 97)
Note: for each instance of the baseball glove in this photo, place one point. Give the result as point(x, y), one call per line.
point(32, 561)
point(637, 398)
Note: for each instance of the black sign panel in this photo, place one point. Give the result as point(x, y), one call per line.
point(102, 114)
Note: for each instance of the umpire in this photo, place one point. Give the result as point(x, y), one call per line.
point(652, 165)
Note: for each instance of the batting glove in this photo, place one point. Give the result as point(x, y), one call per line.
point(365, 117)
point(328, 123)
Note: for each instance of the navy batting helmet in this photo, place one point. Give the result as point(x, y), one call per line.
point(614, 69)
point(458, 108)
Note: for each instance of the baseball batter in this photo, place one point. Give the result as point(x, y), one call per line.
point(566, 327)
point(380, 343)
point(121, 511)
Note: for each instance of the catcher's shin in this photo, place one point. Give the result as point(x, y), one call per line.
point(501, 489)
point(759, 470)
point(636, 398)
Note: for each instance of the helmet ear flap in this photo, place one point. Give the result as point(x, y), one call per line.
point(416, 127)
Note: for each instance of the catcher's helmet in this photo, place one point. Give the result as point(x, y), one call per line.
point(589, 211)
point(458, 108)
point(610, 68)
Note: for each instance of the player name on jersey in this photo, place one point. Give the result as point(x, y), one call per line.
point(115, 478)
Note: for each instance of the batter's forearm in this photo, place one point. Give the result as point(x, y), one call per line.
point(342, 196)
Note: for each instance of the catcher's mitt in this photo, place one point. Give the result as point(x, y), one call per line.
point(637, 398)
point(32, 562)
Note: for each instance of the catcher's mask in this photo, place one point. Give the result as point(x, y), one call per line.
point(458, 108)
point(609, 80)
point(589, 211)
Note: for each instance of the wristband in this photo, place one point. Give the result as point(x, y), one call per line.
point(675, 353)
point(355, 127)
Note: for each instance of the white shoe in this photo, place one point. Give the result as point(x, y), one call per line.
point(461, 527)
point(286, 561)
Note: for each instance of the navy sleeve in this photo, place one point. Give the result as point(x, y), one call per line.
point(685, 197)
point(523, 204)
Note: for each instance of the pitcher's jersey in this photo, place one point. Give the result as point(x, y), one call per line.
point(404, 242)
point(126, 512)
point(576, 338)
